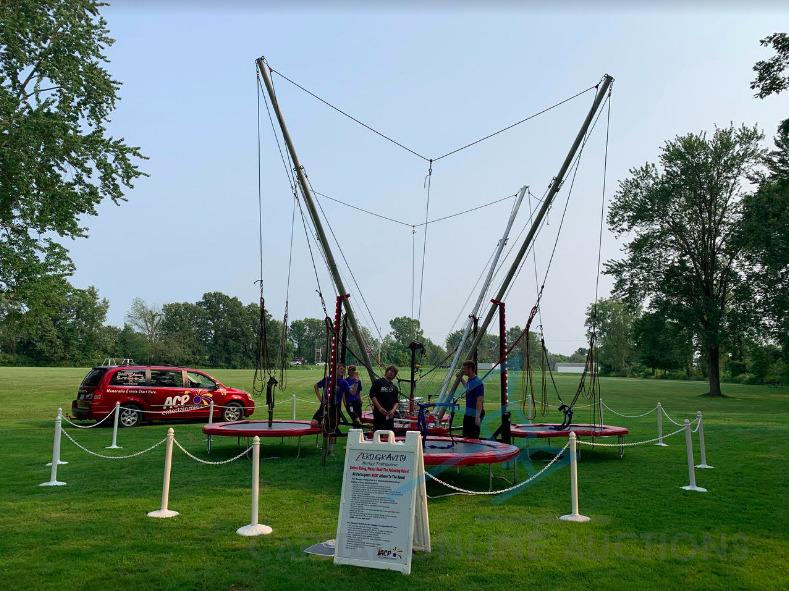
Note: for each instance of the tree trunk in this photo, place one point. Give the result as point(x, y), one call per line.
point(713, 367)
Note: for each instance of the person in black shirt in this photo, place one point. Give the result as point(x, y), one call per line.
point(384, 396)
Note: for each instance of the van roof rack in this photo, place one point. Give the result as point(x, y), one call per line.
point(117, 361)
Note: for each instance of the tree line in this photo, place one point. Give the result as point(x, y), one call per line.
point(67, 328)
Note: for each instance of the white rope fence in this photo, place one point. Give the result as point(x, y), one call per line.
point(88, 426)
point(254, 528)
point(628, 416)
point(196, 459)
point(98, 455)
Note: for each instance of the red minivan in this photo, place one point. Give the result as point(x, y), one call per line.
point(147, 393)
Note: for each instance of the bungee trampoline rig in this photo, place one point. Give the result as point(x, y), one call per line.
point(434, 419)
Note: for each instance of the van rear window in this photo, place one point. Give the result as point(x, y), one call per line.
point(93, 377)
point(128, 377)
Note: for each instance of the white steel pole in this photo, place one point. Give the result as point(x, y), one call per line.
point(556, 184)
point(115, 427)
point(168, 463)
point(660, 426)
point(254, 528)
point(485, 286)
point(263, 68)
point(691, 471)
point(574, 516)
point(211, 412)
point(294, 407)
point(701, 444)
point(53, 475)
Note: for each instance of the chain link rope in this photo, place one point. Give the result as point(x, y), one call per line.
point(93, 453)
point(633, 444)
point(87, 426)
point(195, 458)
point(675, 422)
point(629, 416)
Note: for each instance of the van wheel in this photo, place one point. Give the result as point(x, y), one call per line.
point(233, 411)
point(130, 415)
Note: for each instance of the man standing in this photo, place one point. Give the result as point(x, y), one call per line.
point(331, 408)
point(384, 396)
point(475, 393)
point(350, 390)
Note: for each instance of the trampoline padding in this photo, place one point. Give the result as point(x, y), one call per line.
point(540, 430)
point(278, 428)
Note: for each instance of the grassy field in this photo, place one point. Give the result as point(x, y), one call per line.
point(645, 531)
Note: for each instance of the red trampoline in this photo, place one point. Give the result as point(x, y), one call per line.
point(547, 430)
point(466, 452)
point(279, 428)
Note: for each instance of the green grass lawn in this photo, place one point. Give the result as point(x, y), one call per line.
point(645, 531)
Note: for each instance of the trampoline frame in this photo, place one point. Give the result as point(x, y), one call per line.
point(215, 429)
point(545, 431)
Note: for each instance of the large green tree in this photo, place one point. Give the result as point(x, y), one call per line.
point(765, 237)
point(684, 255)
point(58, 160)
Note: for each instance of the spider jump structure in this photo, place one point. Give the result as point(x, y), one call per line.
point(433, 421)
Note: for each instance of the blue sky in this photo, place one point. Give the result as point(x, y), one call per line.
point(433, 80)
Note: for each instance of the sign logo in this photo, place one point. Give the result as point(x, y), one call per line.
point(392, 554)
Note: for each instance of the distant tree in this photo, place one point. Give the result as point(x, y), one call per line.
point(393, 352)
point(62, 326)
point(685, 256)
point(57, 158)
point(519, 349)
point(771, 74)
point(662, 345)
point(434, 354)
point(307, 335)
point(487, 351)
point(612, 322)
point(227, 330)
point(579, 355)
point(405, 330)
point(180, 328)
point(146, 320)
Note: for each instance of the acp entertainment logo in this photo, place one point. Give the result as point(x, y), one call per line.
point(393, 554)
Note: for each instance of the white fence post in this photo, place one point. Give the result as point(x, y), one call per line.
point(660, 426)
point(701, 444)
point(691, 471)
point(115, 427)
point(574, 516)
point(294, 407)
point(53, 475)
point(211, 412)
point(254, 528)
point(168, 462)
